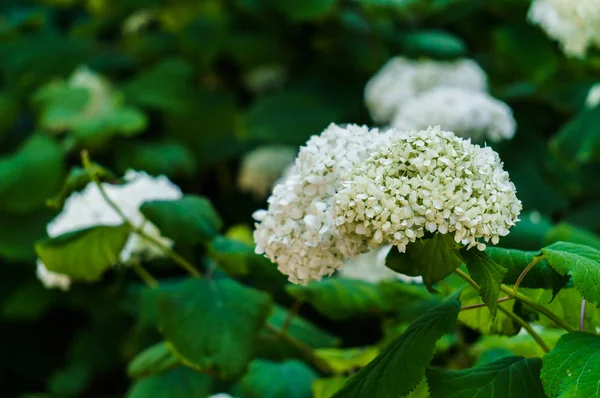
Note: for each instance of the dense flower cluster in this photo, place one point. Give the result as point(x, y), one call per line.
point(262, 167)
point(468, 113)
point(88, 209)
point(402, 79)
point(298, 231)
point(353, 189)
point(575, 24)
point(426, 181)
point(371, 267)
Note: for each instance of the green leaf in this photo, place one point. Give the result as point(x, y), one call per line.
point(270, 346)
point(85, 254)
point(213, 324)
point(481, 319)
point(346, 360)
point(289, 379)
point(232, 256)
point(180, 382)
point(288, 117)
point(531, 231)
point(401, 365)
point(505, 378)
point(579, 140)
point(569, 233)
point(31, 175)
point(189, 220)
point(28, 302)
point(572, 368)
point(303, 10)
point(433, 259)
point(433, 43)
point(166, 87)
point(522, 344)
point(339, 298)
point(169, 158)
point(154, 359)
point(326, 388)
point(579, 261)
point(541, 276)
point(19, 232)
point(488, 275)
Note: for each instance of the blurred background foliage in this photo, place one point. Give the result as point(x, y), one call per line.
point(186, 87)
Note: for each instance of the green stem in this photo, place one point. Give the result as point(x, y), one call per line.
point(292, 312)
point(521, 297)
point(525, 271)
point(506, 312)
point(474, 306)
point(306, 350)
point(180, 260)
point(144, 274)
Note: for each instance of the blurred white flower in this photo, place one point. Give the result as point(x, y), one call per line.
point(298, 231)
point(221, 395)
point(51, 279)
point(426, 181)
point(593, 96)
point(265, 78)
point(100, 97)
point(88, 209)
point(262, 167)
point(575, 24)
point(138, 20)
point(467, 113)
point(371, 267)
point(401, 79)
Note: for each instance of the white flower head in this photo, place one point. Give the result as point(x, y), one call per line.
point(401, 79)
point(52, 280)
point(467, 113)
point(426, 181)
point(100, 95)
point(262, 167)
point(297, 231)
point(88, 208)
point(593, 96)
point(221, 395)
point(575, 24)
point(371, 267)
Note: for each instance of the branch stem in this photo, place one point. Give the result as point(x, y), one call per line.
point(474, 306)
point(144, 274)
point(525, 271)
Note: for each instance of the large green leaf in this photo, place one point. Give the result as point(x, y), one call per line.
point(213, 324)
point(85, 254)
point(481, 319)
point(289, 379)
point(339, 298)
point(522, 344)
point(572, 368)
point(180, 382)
point(488, 275)
point(189, 220)
point(152, 360)
point(31, 175)
point(505, 378)
point(433, 259)
point(541, 276)
point(19, 232)
point(579, 140)
point(326, 388)
point(579, 261)
point(433, 43)
point(401, 365)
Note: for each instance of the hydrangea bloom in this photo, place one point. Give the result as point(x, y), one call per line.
point(88, 209)
point(298, 231)
point(469, 114)
point(401, 79)
point(575, 24)
point(371, 267)
point(262, 167)
point(426, 181)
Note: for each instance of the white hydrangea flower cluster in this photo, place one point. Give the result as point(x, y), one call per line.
point(574, 24)
point(427, 181)
point(298, 231)
point(468, 113)
point(261, 168)
point(402, 79)
point(371, 267)
point(88, 209)
point(593, 96)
